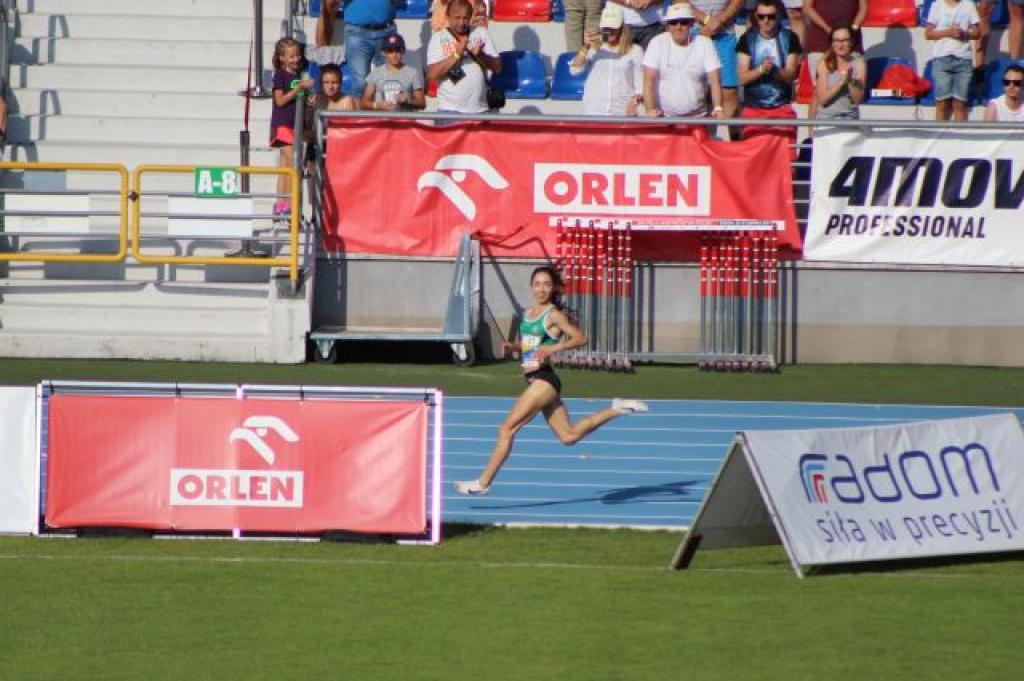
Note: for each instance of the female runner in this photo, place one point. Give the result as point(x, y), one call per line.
point(544, 330)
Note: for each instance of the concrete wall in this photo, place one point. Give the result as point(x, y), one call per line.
point(829, 314)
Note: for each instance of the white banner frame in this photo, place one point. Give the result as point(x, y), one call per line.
point(19, 460)
point(783, 487)
point(935, 196)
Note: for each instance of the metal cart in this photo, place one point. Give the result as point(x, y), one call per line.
point(461, 319)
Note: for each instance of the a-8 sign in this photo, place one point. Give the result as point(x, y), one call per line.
point(217, 182)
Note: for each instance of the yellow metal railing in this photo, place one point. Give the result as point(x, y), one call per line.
point(291, 261)
point(122, 232)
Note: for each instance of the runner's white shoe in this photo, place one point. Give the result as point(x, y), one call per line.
point(471, 488)
point(628, 406)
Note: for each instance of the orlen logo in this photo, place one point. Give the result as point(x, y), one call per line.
point(915, 473)
point(450, 171)
point(594, 189)
point(227, 487)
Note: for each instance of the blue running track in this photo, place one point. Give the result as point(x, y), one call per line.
point(641, 470)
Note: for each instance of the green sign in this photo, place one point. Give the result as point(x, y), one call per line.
point(217, 182)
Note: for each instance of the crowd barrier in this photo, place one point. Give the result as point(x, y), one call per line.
point(41, 210)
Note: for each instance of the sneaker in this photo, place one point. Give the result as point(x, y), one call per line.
point(628, 406)
point(471, 488)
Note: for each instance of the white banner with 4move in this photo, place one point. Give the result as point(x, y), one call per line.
point(834, 496)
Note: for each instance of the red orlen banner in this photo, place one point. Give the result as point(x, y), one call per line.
point(405, 188)
point(219, 464)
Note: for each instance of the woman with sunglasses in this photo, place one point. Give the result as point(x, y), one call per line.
point(615, 83)
point(1008, 107)
point(839, 81)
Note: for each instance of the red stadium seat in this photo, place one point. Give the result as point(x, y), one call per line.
point(522, 10)
point(884, 13)
point(804, 84)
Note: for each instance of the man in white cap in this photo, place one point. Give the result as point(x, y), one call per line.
point(681, 68)
point(614, 85)
point(643, 18)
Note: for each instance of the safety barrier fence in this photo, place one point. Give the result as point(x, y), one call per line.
point(107, 203)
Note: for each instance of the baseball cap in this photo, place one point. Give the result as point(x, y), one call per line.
point(611, 17)
point(393, 42)
point(680, 10)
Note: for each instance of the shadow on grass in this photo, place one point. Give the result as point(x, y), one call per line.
point(667, 492)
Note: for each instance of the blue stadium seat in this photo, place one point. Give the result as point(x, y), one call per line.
point(1000, 15)
point(876, 66)
point(994, 78)
point(412, 9)
point(564, 85)
point(522, 75)
point(557, 11)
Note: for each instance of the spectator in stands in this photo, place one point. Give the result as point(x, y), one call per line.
point(768, 61)
point(288, 86)
point(327, 48)
point(984, 8)
point(680, 69)
point(822, 17)
point(952, 24)
point(615, 84)
point(457, 57)
point(367, 24)
point(839, 83)
point(439, 15)
point(329, 96)
point(1008, 106)
point(3, 114)
point(581, 19)
point(481, 14)
point(394, 85)
point(643, 17)
point(716, 20)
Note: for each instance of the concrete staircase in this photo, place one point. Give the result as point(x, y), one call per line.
point(139, 82)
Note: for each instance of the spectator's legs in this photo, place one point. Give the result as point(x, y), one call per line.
point(1016, 30)
point(361, 46)
point(984, 8)
point(283, 183)
point(592, 16)
point(959, 110)
point(574, 14)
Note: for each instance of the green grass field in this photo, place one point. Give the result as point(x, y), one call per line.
point(493, 603)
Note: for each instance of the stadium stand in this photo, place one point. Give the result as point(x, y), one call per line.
point(884, 13)
point(522, 10)
point(522, 75)
point(564, 85)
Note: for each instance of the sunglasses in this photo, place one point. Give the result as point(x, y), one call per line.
point(680, 22)
point(1015, 83)
point(766, 17)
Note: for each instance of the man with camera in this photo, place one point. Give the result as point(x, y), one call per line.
point(458, 58)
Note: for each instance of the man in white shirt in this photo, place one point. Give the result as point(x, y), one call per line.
point(454, 58)
point(680, 69)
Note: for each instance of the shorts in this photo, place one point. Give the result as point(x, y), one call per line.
point(951, 77)
point(546, 374)
point(725, 45)
point(282, 136)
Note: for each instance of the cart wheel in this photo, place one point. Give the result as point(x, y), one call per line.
point(325, 351)
point(463, 354)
